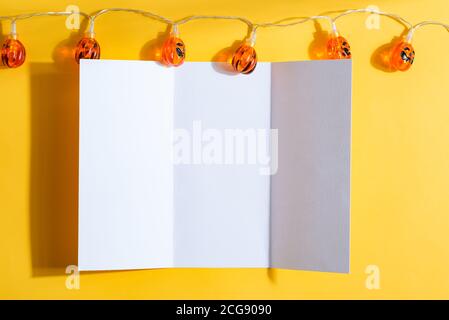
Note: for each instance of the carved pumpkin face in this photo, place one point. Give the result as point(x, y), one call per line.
point(87, 48)
point(173, 52)
point(338, 48)
point(402, 56)
point(13, 53)
point(244, 59)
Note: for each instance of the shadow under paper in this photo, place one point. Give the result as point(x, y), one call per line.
point(54, 166)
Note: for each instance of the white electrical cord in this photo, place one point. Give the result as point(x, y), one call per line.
point(412, 30)
point(373, 11)
point(15, 18)
point(253, 26)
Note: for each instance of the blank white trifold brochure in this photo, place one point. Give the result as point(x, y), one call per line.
point(196, 167)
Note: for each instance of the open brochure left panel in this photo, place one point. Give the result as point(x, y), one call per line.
point(125, 166)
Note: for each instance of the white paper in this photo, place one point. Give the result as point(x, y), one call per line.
point(137, 209)
point(310, 192)
point(221, 211)
point(125, 170)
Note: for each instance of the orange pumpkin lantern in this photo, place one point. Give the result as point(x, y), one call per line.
point(87, 48)
point(173, 52)
point(244, 59)
point(13, 53)
point(338, 48)
point(402, 56)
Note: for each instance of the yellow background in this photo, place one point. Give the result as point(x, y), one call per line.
point(400, 152)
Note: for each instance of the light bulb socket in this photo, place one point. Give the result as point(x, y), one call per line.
point(175, 30)
point(90, 35)
point(334, 29)
point(13, 32)
point(251, 40)
point(409, 36)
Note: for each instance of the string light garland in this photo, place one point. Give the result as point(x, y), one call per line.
point(13, 51)
point(244, 60)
